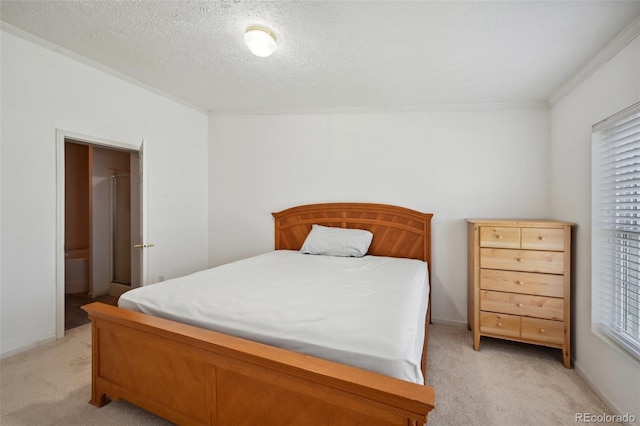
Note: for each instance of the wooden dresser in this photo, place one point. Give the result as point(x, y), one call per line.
point(519, 282)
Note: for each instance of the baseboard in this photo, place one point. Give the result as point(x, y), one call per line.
point(27, 347)
point(77, 286)
point(94, 295)
point(117, 289)
point(608, 402)
point(458, 324)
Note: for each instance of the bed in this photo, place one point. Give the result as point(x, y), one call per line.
point(192, 375)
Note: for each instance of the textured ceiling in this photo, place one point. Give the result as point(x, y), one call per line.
point(335, 54)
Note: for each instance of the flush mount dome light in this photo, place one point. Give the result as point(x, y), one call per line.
point(261, 41)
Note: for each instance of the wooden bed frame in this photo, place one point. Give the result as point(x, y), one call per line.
point(190, 375)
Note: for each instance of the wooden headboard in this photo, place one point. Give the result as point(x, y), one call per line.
point(397, 231)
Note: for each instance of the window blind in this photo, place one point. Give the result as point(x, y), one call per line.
point(616, 229)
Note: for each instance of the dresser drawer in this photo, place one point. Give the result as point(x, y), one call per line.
point(522, 304)
point(543, 239)
point(499, 237)
point(500, 324)
point(522, 282)
point(542, 330)
point(549, 262)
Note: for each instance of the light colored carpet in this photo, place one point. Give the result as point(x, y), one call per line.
point(504, 383)
point(50, 385)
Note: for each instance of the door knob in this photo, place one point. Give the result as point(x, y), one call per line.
point(143, 245)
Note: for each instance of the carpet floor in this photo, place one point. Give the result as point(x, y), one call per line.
point(505, 383)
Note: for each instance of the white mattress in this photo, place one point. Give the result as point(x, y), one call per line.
point(365, 312)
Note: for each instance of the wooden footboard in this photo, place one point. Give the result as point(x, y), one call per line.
point(189, 375)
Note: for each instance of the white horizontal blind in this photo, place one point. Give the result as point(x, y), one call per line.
point(616, 228)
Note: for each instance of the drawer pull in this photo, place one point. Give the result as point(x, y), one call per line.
point(499, 237)
point(542, 330)
point(520, 305)
point(518, 259)
point(519, 283)
point(499, 324)
point(541, 238)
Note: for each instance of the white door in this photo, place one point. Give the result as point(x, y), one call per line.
point(136, 205)
point(141, 246)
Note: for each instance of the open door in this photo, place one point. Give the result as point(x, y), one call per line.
point(136, 208)
point(140, 254)
point(138, 172)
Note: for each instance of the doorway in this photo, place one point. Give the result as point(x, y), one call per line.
point(99, 221)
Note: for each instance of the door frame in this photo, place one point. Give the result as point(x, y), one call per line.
point(61, 136)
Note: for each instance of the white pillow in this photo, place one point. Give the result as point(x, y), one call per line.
point(337, 241)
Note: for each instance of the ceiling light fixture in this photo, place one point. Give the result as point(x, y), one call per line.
point(261, 41)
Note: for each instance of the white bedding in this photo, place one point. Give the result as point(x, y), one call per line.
point(366, 312)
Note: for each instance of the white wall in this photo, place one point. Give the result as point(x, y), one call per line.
point(43, 91)
point(455, 164)
point(615, 86)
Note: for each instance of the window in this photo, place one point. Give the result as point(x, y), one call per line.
point(616, 229)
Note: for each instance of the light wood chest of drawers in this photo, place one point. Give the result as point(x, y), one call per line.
point(519, 282)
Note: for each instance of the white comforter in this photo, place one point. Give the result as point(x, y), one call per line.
point(365, 312)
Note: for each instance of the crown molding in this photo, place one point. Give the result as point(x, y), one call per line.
point(625, 37)
point(457, 107)
point(20, 33)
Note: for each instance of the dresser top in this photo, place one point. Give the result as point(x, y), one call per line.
point(520, 222)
